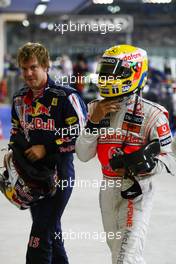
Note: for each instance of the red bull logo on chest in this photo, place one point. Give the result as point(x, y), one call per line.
point(39, 109)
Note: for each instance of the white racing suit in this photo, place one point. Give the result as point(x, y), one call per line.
point(130, 217)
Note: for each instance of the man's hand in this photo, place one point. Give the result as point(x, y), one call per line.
point(98, 110)
point(36, 152)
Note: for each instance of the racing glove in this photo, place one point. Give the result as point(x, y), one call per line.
point(140, 161)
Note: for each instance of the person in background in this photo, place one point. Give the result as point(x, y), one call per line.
point(80, 69)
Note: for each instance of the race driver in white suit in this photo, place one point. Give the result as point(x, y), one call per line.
point(132, 139)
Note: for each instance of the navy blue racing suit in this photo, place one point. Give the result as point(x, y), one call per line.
point(53, 119)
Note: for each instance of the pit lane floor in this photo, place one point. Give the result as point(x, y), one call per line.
point(83, 215)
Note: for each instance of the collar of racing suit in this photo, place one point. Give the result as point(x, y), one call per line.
point(29, 96)
point(129, 101)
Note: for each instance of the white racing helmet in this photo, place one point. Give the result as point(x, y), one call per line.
point(19, 190)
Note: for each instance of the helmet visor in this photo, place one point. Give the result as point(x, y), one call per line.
point(114, 67)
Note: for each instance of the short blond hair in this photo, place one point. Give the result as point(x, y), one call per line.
point(30, 50)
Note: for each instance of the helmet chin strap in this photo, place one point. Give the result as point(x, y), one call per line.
point(137, 93)
point(130, 184)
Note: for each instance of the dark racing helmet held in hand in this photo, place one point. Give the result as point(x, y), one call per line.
point(122, 71)
point(25, 183)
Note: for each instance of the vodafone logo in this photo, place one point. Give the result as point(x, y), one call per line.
point(163, 130)
point(131, 57)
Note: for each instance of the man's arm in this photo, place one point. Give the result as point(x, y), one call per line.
point(15, 122)
point(74, 115)
point(86, 144)
point(161, 131)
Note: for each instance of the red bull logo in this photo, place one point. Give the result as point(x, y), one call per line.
point(38, 123)
point(39, 109)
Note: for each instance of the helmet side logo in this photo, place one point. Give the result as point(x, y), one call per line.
point(132, 56)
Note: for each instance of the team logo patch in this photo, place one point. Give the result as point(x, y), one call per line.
point(105, 90)
point(163, 130)
point(125, 88)
point(131, 127)
point(59, 141)
point(132, 56)
point(130, 213)
point(134, 119)
point(15, 122)
point(71, 120)
point(109, 60)
point(165, 141)
point(54, 101)
point(39, 109)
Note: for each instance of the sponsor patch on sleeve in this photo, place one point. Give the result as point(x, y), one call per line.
point(59, 141)
point(163, 130)
point(54, 101)
point(165, 141)
point(71, 120)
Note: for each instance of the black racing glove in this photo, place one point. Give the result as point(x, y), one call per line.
point(140, 161)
